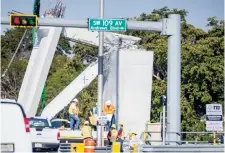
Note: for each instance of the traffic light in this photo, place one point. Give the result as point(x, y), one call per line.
point(23, 20)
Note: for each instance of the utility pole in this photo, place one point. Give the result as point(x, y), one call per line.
point(100, 135)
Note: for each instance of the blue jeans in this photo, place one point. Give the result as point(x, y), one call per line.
point(110, 123)
point(121, 144)
point(107, 127)
point(74, 122)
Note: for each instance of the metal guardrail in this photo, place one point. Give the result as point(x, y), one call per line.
point(182, 142)
point(182, 149)
point(105, 149)
point(64, 147)
point(217, 132)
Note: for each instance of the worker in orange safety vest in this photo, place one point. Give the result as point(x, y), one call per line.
point(109, 108)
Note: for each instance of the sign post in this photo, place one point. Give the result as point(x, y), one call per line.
point(100, 132)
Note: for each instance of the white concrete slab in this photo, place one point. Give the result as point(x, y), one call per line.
point(135, 87)
point(90, 73)
point(83, 35)
point(70, 92)
point(37, 70)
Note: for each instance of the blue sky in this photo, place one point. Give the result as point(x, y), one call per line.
point(199, 10)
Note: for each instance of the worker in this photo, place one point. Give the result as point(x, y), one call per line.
point(108, 110)
point(121, 133)
point(112, 135)
point(73, 115)
point(93, 120)
point(133, 139)
point(86, 130)
point(121, 136)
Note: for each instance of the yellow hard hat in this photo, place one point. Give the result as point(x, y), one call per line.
point(120, 123)
point(134, 133)
point(114, 126)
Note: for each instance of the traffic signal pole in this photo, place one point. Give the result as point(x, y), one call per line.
point(169, 27)
point(131, 25)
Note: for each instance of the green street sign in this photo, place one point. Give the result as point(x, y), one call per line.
point(116, 25)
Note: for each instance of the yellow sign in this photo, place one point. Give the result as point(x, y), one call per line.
point(74, 147)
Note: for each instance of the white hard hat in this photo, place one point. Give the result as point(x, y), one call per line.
point(108, 102)
point(75, 100)
point(86, 122)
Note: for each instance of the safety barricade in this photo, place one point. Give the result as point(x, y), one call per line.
point(116, 147)
point(89, 145)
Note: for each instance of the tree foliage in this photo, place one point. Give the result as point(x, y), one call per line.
point(202, 67)
point(11, 82)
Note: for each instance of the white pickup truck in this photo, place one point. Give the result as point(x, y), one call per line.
point(43, 136)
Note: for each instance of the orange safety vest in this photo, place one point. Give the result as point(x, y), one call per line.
point(109, 110)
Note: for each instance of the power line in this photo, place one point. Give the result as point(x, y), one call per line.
point(21, 40)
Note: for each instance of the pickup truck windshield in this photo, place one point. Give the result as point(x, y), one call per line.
point(58, 124)
point(35, 122)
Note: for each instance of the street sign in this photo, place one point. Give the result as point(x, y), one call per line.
point(214, 117)
point(116, 25)
point(102, 120)
point(214, 126)
point(214, 109)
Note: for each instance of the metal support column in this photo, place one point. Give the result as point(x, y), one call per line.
point(174, 78)
point(100, 134)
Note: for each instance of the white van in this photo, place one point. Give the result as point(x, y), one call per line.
point(14, 127)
